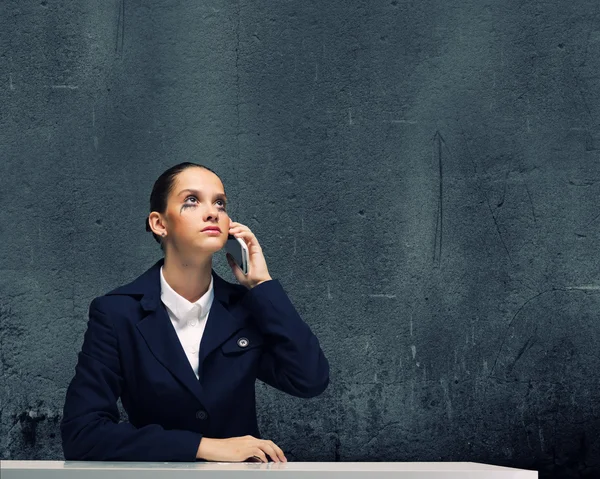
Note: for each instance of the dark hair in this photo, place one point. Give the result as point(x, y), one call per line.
point(163, 187)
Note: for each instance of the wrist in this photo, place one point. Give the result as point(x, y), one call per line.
point(261, 281)
point(204, 448)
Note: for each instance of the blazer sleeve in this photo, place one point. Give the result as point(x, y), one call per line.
point(90, 428)
point(293, 361)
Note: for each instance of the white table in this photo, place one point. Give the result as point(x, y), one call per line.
point(289, 470)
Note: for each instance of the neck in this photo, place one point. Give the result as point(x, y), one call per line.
point(189, 279)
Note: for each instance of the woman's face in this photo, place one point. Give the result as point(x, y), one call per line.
point(197, 201)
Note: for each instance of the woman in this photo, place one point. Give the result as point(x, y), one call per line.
point(182, 347)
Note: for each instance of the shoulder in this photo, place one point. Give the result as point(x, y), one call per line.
point(123, 300)
point(108, 303)
point(126, 297)
point(122, 311)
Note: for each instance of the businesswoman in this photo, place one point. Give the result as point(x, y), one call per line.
point(183, 348)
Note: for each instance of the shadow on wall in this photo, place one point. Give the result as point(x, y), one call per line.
point(547, 369)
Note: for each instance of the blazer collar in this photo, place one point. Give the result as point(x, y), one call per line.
point(224, 319)
point(148, 286)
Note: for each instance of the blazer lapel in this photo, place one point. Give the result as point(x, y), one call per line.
point(220, 325)
point(157, 330)
point(160, 336)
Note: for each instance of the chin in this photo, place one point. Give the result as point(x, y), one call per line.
point(214, 243)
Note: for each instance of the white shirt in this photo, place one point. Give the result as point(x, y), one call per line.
point(188, 319)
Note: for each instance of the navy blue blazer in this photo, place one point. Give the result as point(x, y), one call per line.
point(131, 350)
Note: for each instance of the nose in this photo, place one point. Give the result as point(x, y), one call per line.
point(212, 213)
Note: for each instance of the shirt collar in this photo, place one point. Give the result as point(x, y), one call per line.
point(181, 307)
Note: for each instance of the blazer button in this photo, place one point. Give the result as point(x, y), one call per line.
point(243, 342)
point(201, 414)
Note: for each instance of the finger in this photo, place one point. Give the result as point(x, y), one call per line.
point(235, 231)
point(250, 239)
point(278, 451)
point(268, 449)
point(238, 225)
point(258, 452)
point(238, 229)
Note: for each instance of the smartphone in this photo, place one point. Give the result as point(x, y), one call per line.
point(238, 248)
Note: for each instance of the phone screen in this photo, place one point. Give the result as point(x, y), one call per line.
point(235, 249)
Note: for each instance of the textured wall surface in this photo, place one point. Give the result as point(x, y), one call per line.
point(423, 177)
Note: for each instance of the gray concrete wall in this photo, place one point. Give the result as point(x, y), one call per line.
point(423, 177)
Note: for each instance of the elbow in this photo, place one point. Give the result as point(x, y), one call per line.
point(72, 454)
point(76, 444)
point(316, 385)
point(71, 450)
point(316, 389)
point(71, 446)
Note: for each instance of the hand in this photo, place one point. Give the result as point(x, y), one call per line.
point(257, 266)
point(239, 449)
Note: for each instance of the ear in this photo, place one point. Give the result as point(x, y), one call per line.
point(157, 224)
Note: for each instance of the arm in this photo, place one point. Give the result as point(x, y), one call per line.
point(90, 429)
point(293, 361)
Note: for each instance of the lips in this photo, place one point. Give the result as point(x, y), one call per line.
point(212, 228)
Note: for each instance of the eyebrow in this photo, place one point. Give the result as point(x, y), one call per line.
point(197, 193)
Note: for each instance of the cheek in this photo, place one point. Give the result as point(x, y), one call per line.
point(187, 223)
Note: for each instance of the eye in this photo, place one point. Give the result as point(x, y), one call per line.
point(190, 204)
point(222, 204)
